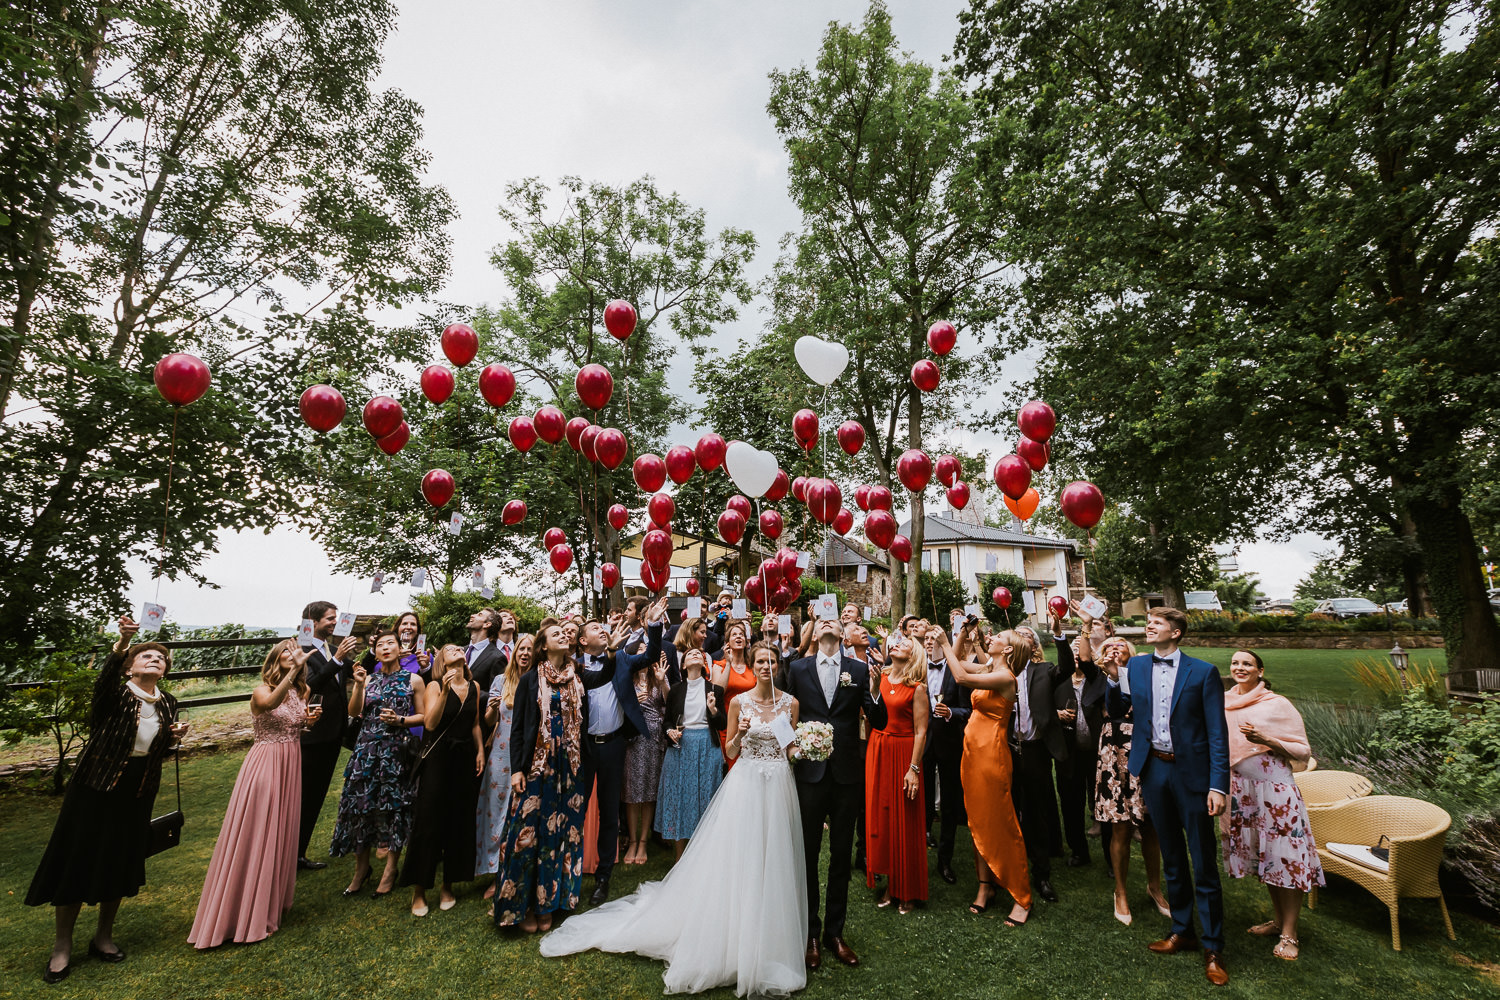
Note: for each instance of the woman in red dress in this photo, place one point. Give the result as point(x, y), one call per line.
point(895, 809)
point(733, 673)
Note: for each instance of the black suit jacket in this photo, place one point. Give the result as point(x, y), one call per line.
point(1092, 705)
point(620, 665)
point(1041, 682)
point(946, 736)
point(848, 761)
point(677, 704)
point(488, 662)
point(327, 678)
point(526, 714)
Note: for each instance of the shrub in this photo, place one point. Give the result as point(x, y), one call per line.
point(1003, 617)
point(1338, 734)
point(445, 613)
point(1211, 621)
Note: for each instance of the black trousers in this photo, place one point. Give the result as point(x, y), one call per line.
point(1031, 792)
point(838, 805)
point(943, 766)
point(318, 762)
point(604, 764)
point(859, 813)
point(1075, 793)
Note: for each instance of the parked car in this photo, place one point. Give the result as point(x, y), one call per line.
point(1348, 607)
point(1202, 600)
point(1397, 607)
point(1276, 606)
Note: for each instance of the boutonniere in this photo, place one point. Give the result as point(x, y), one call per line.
point(845, 680)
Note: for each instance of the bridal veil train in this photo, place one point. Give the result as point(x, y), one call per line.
point(733, 910)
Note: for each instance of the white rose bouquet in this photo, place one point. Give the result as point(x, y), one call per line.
point(814, 741)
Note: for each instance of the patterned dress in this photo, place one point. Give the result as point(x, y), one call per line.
point(494, 792)
point(1117, 794)
point(375, 809)
point(541, 860)
point(1269, 836)
point(643, 753)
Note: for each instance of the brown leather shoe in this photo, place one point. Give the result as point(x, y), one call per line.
point(1174, 943)
point(813, 957)
point(1213, 967)
point(841, 950)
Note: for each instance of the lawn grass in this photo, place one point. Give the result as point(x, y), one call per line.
point(361, 949)
point(1319, 674)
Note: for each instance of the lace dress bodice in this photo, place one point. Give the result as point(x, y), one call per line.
point(759, 742)
point(282, 724)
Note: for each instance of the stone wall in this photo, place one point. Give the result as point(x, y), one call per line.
point(1314, 640)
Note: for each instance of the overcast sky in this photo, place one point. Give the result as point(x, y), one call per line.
point(606, 91)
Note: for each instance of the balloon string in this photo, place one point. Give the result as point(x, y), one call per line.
point(166, 507)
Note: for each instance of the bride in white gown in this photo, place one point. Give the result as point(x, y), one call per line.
point(733, 910)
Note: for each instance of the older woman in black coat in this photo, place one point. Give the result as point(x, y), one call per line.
point(97, 854)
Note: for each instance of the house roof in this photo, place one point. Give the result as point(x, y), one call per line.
point(947, 529)
point(840, 551)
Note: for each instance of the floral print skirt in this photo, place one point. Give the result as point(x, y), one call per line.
point(1269, 835)
point(1117, 795)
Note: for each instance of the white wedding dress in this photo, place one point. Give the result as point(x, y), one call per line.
point(733, 910)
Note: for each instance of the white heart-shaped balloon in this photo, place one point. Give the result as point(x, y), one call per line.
point(751, 469)
point(823, 360)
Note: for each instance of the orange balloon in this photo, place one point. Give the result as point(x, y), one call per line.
point(1024, 507)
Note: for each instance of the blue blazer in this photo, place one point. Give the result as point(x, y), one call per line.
point(1200, 734)
point(626, 664)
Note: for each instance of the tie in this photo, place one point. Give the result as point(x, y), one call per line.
point(469, 655)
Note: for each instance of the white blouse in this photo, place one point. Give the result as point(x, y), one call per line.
point(146, 729)
point(695, 706)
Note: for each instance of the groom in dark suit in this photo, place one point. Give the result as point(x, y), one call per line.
point(832, 688)
point(1180, 751)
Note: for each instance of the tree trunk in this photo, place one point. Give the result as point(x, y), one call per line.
point(1456, 579)
point(1166, 574)
point(1413, 574)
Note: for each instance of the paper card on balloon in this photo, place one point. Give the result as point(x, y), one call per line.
point(346, 623)
point(476, 578)
point(487, 592)
point(598, 578)
point(863, 576)
point(737, 608)
point(377, 585)
point(305, 633)
point(784, 624)
point(782, 729)
point(455, 523)
point(973, 611)
point(956, 623)
point(868, 615)
point(151, 616)
point(419, 577)
point(804, 560)
point(422, 641)
point(1028, 601)
point(695, 607)
point(991, 564)
point(1093, 607)
point(826, 607)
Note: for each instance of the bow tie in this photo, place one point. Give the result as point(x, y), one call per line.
point(1161, 659)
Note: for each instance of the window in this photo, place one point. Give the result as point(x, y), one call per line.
point(945, 560)
point(882, 588)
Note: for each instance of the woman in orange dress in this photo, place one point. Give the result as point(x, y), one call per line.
point(733, 673)
point(895, 808)
point(999, 851)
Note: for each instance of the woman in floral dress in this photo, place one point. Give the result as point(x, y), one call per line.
point(494, 797)
point(1267, 828)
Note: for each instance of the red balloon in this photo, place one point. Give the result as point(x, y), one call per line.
point(1013, 476)
point(655, 578)
point(382, 415)
point(948, 468)
point(924, 375)
point(594, 385)
point(958, 496)
point(880, 498)
point(1037, 420)
point(610, 447)
point(851, 436)
point(1058, 606)
point(779, 487)
point(914, 469)
point(770, 571)
point(799, 489)
point(574, 432)
point(731, 527)
point(561, 557)
point(880, 528)
point(618, 515)
point(514, 512)
point(1034, 452)
point(395, 440)
point(755, 591)
point(650, 472)
point(661, 508)
point(182, 379)
point(805, 428)
point(619, 319)
point(901, 548)
point(609, 575)
point(824, 500)
point(656, 548)
point(843, 521)
point(710, 451)
point(770, 524)
point(437, 384)
point(322, 407)
point(497, 384)
point(522, 433)
point(740, 506)
point(941, 336)
point(680, 463)
point(788, 560)
point(1082, 503)
point(553, 537)
point(1001, 597)
point(460, 343)
point(437, 487)
point(691, 586)
point(588, 439)
point(862, 496)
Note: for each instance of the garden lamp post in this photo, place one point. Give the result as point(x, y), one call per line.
point(1399, 659)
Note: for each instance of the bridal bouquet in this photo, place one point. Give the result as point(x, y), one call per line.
point(814, 741)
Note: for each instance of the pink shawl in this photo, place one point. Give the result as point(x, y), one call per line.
point(1272, 715)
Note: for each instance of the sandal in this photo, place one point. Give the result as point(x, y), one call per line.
point(978, 908)
point(1286, 948)
point(1011, 921)
point(1268, 929)
point(904, 908)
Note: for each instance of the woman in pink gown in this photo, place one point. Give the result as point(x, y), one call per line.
point(253, 872)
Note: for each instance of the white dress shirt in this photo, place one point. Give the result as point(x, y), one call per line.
point(1163, 680)
point(1024, 729)
point(475, 648)
point(828, 675)
point(935, 684)
point(605, 713)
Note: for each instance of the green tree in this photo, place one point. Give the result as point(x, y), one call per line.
point(941, 593)
point(1008, 617)
point(1326, 579)
point(896, 233)
point(1278, 220)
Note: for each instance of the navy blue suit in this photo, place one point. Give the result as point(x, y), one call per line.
point(1176, 792)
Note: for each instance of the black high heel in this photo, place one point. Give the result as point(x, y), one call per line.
point(351, 893)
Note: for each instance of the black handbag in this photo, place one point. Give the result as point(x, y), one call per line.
point(166, 830)
point(352, 724)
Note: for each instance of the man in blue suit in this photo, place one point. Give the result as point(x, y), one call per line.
point(1180, 752)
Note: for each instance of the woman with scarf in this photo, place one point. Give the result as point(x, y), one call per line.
point(1267, 830)
point(541, 859)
